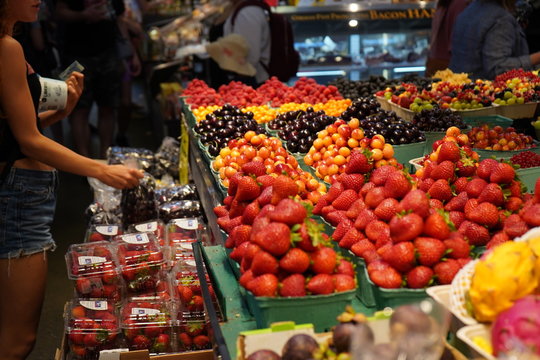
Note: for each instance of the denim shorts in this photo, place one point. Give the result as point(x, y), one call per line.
point(27, 205)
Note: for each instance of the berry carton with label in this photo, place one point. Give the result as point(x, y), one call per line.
point(147, 325)
point(184, 230)
point(193, 332)
point(98, 232)
point(94, 270)
point(156, 227)
point(91, 326)
point(162, 290)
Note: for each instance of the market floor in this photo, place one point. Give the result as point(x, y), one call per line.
point(69, 227)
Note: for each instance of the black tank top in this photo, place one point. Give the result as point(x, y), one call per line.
point(9, 147)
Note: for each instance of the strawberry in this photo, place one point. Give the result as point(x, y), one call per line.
point(352, 181)
point(324, 260)
point(476, 234)
point(335, 217)
point(531, 215)
point(233, 183)
point(440, 190)
point(457, 203)
point(228, 200)
point(364, 218)
point(344, 282)
point(430, 250)
point(492, 193)
point(497, 240)
point(374, 197)
point(463, 262)
point(295, 261)
point(475, 187)
point(345, 267)
point(237, 208)
point(465, 167)
point(377, 231)
point(438, 225)
point(140, 342)
point(415, 201)
point(264, 285)
point(282, 188)
point(484, 214)
point(293, 285)
point(355, 208)
point(264, 263)
point(345, 199)
point(515, 189)
point(255, 168)
point(485, 167)
point(503, 173)
point(240, 234)
point(445, 170)
point(428, 168)
point(321, 284)
point(470, 205)
point(457, 218)
point(449, 151)
point(537, 190)
point(261, 221)
point(266, 181)
point(227, 224)
point(250, 251)
point(201, 341)
point(425, 184)
point(401, 256)
point(335, 190)
point(446, 271)
point(388, 278)
point(362, 246)
point(274, 238)
point(250, 213)
point(248, 189)
point(460, 184)
point(514, 226)
point(419, 277)
point(457, 247)
point(381, 174)
point(371, 256)
point(513, 204)
point(265, 197)
point(406, 227)
point(386, 209)
point(396, 185)
point(351, 237)
point(367, 186)
point(342, 229)
point(246, 277)
point(320, 205)
point(289, 212)
point(221, 211)
point(358, 163)
point(327, 210)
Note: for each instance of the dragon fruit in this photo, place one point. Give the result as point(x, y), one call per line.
point(518, 328)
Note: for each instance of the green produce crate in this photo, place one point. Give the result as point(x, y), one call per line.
point(234, 265)
point(488, 154)
point(431, 137)
point(320, 310)
point(491, 120)
point(364, 292)
point(528, 177)
point(404, 153)
point(206, 155)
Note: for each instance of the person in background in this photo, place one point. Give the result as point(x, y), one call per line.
point(28, 183)
point(487, 40)
point(441, 31)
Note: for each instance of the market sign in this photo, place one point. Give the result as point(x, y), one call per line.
point(366, 15)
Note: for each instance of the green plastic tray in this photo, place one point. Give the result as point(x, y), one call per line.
point(529, 177)
point(491, 120)
point(404, 153)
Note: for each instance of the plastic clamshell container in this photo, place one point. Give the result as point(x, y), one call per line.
point(528, 177)
point(469, 333)
point(518, 111)
point(91, 326)
point(156, 227)
point(159, 289)
point(94, 270)
point(184, 230)
point(102, 232)
point(404, 153)
point(194, 332)
point(148, 325)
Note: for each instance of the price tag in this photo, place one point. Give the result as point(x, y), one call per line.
point(94, 305)
point(187, 224)
point(91, 260)
point(136, 239)
point(148, 227)
point(191, 263)
point(145, 311)
point(109, 230)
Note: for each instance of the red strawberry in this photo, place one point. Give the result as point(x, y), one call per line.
point(396, 185)
point(476, 234)
point(386, 209)
point(262, 221)
point(352, 181)
point(415, 201)
point(345, 199)
point(430, 250)
point(497, 240)
point(140, 342)
point(264, 285)
point(503, 173)
point(266, 196)
point(358, 163)
point(401, 256)
point(514, 226)
point(449, 151)
point(515, 189)
point(425, 184)
point(221, 211)
point(320, 205)
point(458, 247)
point(248, 189)
point(274, 238)
point(465, 167)
point(246, 277)
point(463, 262)
point(460, 184)
point(470, 205)
point(364, 218)
point(362, 246)
point(367, 186)
point(228, 224)
point(282, 188)
point(342, 229)
point(484, 214)
point(428, 168)
point(457, 203)
point(513, 204)
point(321, 284)
point(485, 167)
point(475, 187)
point(446, 271)
point(374, 197)
point(445, 170)
point(536, 190)
point(531, 215)
point(305, 242)
point(201, 341)
point(344, 282)
point(345, 267)
point(293, 285)
point(440, 190)
point(237, 208)
point(240, 234)
point(438, 225)
point(233, 183)
point(388, 278)
point(419, 277)
point(335, 217)
point(351, 237)
point(256, 168)
point(457, 218)
point(266, 181)
point(250, 213)
point(381, 174)
point(228, 200)
point(371, 256)
point(289, 212)
point(406, 227)
point(264, 263)
point(295, 261)
point(378, 231)
point(327, 210)
point(355, 208)
point(324, 260)
point(335, 190)
point(492, 193)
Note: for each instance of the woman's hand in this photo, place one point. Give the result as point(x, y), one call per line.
point(75, 84)
point(120, 176)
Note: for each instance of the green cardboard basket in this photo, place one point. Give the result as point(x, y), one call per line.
point(491, 120)
point(404, 153)
point(528, 177)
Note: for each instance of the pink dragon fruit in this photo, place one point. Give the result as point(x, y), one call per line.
point(518, 328)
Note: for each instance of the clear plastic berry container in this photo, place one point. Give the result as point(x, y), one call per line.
point(194, 333)
point(148, 325)
point(102, 232)
point(156, 227)
point(94, 270)
point(162, 290)
point(181, 252)
point(184, 230)
point(91, 326)
point(141, 260)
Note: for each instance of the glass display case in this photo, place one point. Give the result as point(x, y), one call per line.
point(361, 39)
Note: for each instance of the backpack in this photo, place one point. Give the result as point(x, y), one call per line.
point(284, 59)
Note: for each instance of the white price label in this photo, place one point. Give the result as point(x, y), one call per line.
point(186, 246)
point(145, 311)
point(148, 227)
point(94, 305)
point(136, 239)
point(109, 230)
point(191, 263)
point(91, 260)
point(187, 224)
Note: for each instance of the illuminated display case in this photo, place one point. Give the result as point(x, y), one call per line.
point(361, 39)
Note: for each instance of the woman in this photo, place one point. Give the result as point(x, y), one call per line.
point(27, 192)
point(487, 41)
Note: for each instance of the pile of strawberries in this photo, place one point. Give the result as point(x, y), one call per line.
point(281, 250)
